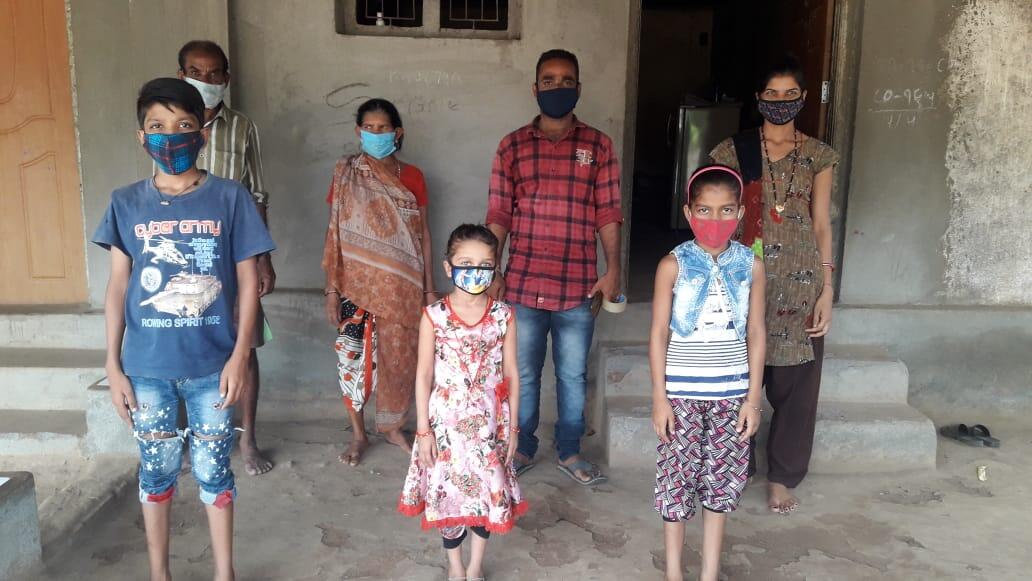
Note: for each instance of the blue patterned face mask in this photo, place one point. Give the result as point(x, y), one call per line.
point(473, 279)
point(174, 153)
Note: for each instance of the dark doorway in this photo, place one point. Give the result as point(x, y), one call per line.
point(698, 67)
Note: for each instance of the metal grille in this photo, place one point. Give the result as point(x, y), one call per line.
point(475, 14)
point(401, 13)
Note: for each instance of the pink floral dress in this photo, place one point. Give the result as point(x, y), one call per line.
point(470, 484)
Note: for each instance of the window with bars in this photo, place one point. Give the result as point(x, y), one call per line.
point(403, 13)
point(475, 14)
point(488, 19)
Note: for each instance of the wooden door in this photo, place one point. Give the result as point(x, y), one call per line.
point(41, 223)
point(804, 28)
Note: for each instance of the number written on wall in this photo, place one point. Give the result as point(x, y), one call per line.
point(902, 107)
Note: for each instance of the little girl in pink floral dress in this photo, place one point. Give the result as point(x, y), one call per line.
point(467, 391)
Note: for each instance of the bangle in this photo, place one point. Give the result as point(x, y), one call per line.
point(425, 434)
point(331, 291)
point(429, 292)
point(830, 265)
point(757, 408)
point(515, 429)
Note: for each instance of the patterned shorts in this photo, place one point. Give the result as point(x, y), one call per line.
point(703, 457)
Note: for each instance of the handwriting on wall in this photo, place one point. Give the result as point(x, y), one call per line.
point(428, 78)
point(419, 92)
point(902, 107)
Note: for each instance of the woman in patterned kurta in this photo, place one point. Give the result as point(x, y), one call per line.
point(461, 473)
point(788, 224)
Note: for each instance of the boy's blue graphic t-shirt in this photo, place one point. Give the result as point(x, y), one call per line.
point(179, 307)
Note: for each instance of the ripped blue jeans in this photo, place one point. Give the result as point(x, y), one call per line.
point(210, 433)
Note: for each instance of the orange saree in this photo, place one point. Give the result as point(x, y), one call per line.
point(373, 257)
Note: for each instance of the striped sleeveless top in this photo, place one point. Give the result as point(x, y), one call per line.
point(711, 363)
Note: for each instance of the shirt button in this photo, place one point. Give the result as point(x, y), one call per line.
point(540, 300)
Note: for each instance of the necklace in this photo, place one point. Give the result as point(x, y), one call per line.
point(167, 201)
point(780, 206)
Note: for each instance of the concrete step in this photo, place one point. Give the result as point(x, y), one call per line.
point(34, 433)
point(48, 379)
point(849, 437)
point(63, 330)
point(850, 374)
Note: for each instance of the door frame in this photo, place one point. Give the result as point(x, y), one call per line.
point(846, 36)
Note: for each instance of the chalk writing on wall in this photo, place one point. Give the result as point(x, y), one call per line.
point(902, 107)
point(428, 78)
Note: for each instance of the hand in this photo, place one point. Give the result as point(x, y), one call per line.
point(232, 380)
point(266, 275)
point(511, 452)
point(609, 285)
point(427, 450)
point(748, 422)
point(122, 396)
point(430, 298)
point(822, 314)
point(497, 289)
point(663, 420)
point(332, 309)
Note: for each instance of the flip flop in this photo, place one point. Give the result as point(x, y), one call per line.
point(962, 434)
point(982, 433)
point(520, 467)
point(588, 467)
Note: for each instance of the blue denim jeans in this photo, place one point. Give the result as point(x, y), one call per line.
point(571, 332)
point(209, 430)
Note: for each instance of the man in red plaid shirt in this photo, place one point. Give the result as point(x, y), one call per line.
point(555, 185)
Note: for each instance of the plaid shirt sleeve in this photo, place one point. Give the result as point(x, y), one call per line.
point(500, 193)
point(607, 188)
point(254, 178)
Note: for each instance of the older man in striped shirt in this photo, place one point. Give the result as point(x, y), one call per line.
point(233, 152)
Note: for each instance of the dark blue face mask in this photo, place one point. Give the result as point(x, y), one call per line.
point(557, 103)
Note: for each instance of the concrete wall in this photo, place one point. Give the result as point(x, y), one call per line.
point(116, 47)
point(941, 167)
point(936, 243)
point(301, 82)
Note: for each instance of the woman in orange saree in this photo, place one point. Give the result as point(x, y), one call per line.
point(377, 264)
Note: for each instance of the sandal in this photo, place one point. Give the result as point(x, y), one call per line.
point(595, 475)
point(982, 433)
point(521, 467)
point(962, 434)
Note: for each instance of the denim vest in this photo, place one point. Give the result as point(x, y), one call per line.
point(696, 268)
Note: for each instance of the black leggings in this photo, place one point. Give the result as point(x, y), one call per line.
point(457, 541)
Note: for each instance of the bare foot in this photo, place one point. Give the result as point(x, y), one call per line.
point(354, 454)
point(780, 499)
point(255, 462)
point(397, 437)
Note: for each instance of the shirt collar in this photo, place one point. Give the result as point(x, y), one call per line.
point(219, 114)
point(533, 131)
point(723, 259)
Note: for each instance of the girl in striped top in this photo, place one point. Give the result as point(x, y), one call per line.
point(706, 353)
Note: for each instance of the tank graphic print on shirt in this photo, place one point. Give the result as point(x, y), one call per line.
point(190, 291)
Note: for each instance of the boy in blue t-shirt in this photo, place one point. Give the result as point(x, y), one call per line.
point(183, 245)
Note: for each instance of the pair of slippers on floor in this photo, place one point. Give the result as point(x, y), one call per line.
point(977, 435)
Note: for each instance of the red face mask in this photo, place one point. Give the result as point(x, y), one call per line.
point(713, 233)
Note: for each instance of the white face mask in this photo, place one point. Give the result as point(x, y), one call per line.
point(212, 94)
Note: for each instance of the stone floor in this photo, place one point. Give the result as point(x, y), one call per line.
point(313, 519)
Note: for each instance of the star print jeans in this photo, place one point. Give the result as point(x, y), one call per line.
point(209, 432)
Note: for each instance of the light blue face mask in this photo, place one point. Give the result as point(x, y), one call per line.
point(379, 145)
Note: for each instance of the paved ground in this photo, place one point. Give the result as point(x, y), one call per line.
point(314, 519)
